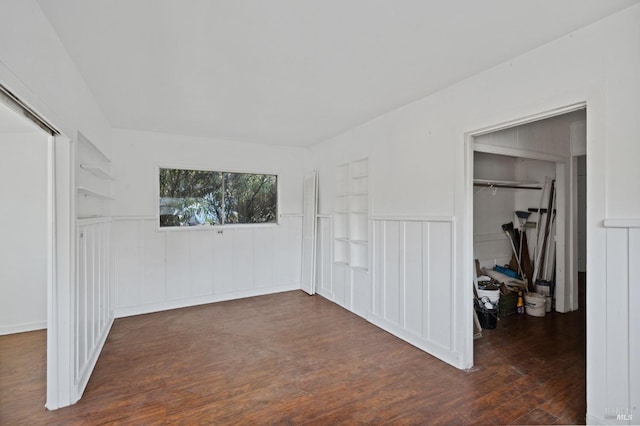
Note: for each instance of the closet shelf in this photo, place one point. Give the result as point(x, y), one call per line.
point(97, 171)
point(512, 184)
point(91, 193)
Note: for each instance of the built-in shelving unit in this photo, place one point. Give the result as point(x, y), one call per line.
point(93, 180)
point(341, 216)
point(97, 171)
point(90, 193)
point(351, 215)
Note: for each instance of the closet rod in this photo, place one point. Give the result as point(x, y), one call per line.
point(500, 185)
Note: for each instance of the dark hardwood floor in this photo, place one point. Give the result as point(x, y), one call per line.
point(294, 359)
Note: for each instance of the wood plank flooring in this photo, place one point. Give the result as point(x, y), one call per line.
point(294, 359)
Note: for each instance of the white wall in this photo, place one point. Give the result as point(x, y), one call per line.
point(35, 66)
point(492, 209)
point(23, 226)
point(162, 269)
point(419, 169)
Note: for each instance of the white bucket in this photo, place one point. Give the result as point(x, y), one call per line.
point(548, 303)
point(493, 295)
point(534, 304)
point(543, 289)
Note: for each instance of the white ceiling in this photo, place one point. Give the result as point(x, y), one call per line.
point(292, 72)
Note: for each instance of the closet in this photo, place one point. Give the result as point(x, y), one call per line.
point(531, 169)
point(24, 225)
point(512, 196)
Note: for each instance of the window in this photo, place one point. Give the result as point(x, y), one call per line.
point(207, 198)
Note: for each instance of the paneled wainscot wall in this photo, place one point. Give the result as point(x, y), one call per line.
point(94, 295)
point(166, 269)
point(622, 345)
point(409, 289)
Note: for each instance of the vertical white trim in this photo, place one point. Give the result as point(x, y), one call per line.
point(563, 286)
point(52, 342)
point(426, 282)
point(572, 233)
point(60, 355)
point(453, 337)
point(402, 275)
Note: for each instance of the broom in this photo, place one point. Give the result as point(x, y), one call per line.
point(508, 229)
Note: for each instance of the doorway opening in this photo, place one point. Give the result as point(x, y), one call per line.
point(25, 255)
point(31, 231)
point(529, 247)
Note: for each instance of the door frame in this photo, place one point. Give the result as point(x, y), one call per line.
point(467, 237)
point(61, 230)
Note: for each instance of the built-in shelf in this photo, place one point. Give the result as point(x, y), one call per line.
point(94, 182)
point(97, 171)
point(351, 215)
point(91, 193)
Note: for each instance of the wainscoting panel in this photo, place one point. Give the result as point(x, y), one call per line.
point(634, 316)
point(361, 300)
point(622, 319)
point(165, 269)
point(439, 283)
point(413, 282)
point(408, 291)
point(152, 254)
point(93, 314)
point(341, 285)
point(393, 279)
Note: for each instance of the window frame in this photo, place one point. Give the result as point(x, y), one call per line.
point(221, 227)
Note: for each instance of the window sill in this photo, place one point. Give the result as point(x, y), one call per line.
point(218, 228)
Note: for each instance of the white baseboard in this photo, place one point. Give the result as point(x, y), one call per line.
point(431, 348)
point(23, 328)
point(127, 311)
point(593, 420)
point(326, 294)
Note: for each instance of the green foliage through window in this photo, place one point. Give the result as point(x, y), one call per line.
point(205, 198)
